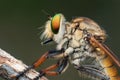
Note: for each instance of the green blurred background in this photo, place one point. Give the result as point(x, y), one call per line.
point(20, 20)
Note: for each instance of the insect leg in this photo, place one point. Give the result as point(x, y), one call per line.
point(47, 55)
point(37, 63)
point(61, 67)
point(65, 53)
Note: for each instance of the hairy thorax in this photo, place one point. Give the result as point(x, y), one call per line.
point(82, 48)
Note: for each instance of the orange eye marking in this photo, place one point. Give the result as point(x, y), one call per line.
point(56, 22)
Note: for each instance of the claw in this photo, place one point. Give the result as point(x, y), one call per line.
point(23, 72)
point(40, 75)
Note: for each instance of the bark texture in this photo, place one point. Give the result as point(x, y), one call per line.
point(10, 66)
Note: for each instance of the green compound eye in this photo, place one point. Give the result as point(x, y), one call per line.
point(55, 23)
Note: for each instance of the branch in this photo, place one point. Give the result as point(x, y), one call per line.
point(10, 66)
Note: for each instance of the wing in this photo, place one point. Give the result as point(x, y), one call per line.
point(104, 48)
point(90, 69)
point(91, 72)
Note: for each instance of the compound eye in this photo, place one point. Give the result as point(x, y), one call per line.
point(55, 23)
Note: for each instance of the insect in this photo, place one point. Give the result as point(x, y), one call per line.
point(76, 41)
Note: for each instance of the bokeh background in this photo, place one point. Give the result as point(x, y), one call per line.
point(20, 20)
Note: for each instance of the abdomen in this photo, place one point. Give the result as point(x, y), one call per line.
point(109, 67)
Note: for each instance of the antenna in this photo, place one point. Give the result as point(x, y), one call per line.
point(46, 13)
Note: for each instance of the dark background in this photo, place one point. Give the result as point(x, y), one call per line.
point(20, 20)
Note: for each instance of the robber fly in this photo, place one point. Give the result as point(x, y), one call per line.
point(77, 41)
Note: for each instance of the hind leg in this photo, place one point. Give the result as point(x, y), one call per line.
point(60, 67)
point(38, 62)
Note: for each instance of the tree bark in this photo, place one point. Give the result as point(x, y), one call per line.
point(10, 66)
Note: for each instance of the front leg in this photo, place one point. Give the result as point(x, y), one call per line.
point(38, 62)
point(61, 66)
point(63, 43)
point(53, 54)
point(66, 52)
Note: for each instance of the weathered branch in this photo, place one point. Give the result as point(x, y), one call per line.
point(10, 66)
